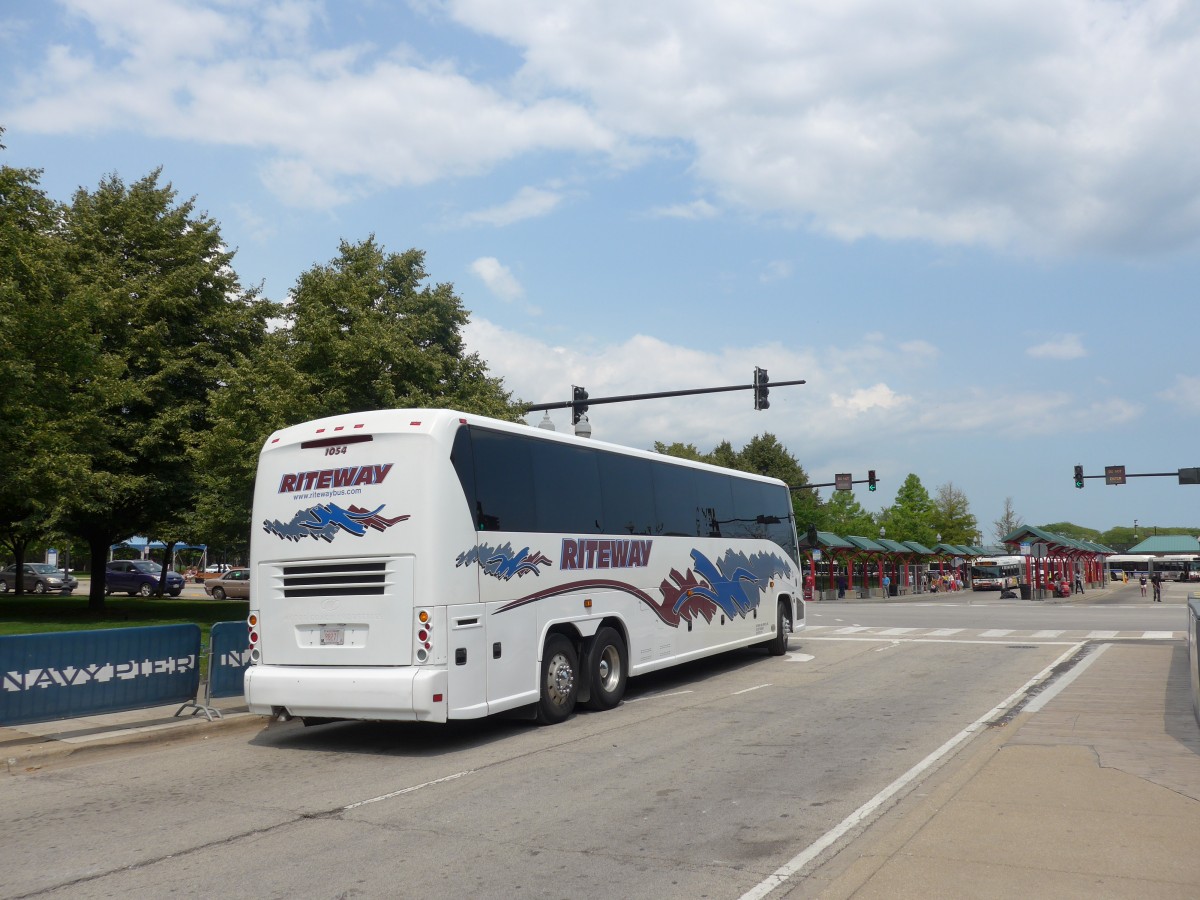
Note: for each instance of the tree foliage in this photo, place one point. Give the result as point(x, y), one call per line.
point(952, 516)
point(910, 518)
point(153, 284)
point(364, 331)
point(1008, 522)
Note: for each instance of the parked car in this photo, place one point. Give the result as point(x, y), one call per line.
point(139, 576)
point(41, 578)
point(234, 585)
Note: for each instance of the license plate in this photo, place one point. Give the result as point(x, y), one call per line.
point(333, 637)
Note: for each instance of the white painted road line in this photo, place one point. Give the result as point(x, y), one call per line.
point(748, 690)
point(812, 851)
point(1055, 689)
point(944, 632)
point(997, 632)
point(1046, 634)
point(1101, 635)
point(407, 790)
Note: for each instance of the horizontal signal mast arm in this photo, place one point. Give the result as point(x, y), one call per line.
point(625, 398)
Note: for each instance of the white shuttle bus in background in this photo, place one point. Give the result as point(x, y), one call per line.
point(426, 565)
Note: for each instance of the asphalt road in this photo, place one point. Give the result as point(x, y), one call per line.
point(700, 785)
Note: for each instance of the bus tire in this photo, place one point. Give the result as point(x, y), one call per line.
point(607, 669)
point(778, 645)
point(559, 681)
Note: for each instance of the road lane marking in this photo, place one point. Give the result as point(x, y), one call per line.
point(658, 696)
point(997, 632)
point(812, 851)
point(1055, 689)
point(944, 632)
point(1158, 635)
point(1101, 635)
point(1046, 634)
point(895, 631)
point(748, 690)
point(407, 790)
point(852, 629)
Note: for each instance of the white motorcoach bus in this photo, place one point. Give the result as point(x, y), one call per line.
point(426, 565)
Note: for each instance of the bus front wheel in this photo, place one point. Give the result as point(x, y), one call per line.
point(559, 681)
point(607, 669)
point(778, 645)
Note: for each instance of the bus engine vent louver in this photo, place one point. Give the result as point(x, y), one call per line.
point(335, 579)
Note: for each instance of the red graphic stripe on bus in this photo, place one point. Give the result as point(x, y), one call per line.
point(670, 617)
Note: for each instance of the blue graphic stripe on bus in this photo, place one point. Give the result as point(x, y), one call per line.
point(326, 520)
point(501, 562)
point(701, 592)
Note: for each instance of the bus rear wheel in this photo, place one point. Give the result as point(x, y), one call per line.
point(778, 645)
point(607, 669)
point(559, 681)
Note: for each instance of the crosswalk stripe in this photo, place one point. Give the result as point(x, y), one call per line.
point(897, 631)
point(1158, 635)
point(1046, 634)
point(1102, 634)
point(852, 629)
point(996, 632)
point(944, 632)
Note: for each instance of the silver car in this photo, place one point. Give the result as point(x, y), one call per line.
point(232, 585)
point(41, 578)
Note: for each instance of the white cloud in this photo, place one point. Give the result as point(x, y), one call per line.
point(697, 209)
point(1184, 393)
point(1065, 346)
point(498, 278)
point(1043, 125)
point(529, 203)
point(776, 270)
point(877, 396)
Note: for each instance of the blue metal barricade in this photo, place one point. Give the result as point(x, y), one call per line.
point(78, 673)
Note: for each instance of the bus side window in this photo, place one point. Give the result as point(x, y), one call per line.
point(566, 485)
point(503, 481)
point(627, 490)
point(463, 461)
point(676, 511)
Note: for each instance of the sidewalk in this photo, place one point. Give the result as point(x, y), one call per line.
point(1096, 794)
point(26, 748)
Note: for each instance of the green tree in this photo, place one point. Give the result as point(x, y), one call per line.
point(362, 332)
point(910, 518)
point(154, 284)
point(41, 353)
point(845, 515)
point(952, 516)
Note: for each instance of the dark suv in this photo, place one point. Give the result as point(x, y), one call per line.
point(139, 576)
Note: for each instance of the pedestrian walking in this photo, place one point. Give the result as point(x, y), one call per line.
point(1078, 583)
point(1142, 582)
point(841, 582)
point(887, 585)
point(1156, 581)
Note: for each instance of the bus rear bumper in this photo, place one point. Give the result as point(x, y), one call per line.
point(401, 694)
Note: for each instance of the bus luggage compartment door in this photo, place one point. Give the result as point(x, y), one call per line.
point(466, 662)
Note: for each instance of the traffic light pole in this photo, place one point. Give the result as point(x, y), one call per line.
point(625, 398)
point(802, 487)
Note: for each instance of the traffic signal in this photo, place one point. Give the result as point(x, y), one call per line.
point(761, 389)
point(1079, 476)
point(1189, 476)
point(579, 405)
point(871, 480)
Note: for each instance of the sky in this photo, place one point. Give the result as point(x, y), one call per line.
point(972, 227)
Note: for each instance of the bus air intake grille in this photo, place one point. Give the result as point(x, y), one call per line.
point(336, 579)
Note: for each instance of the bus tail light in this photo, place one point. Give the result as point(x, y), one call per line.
point(253, 636)
point(423, 635)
